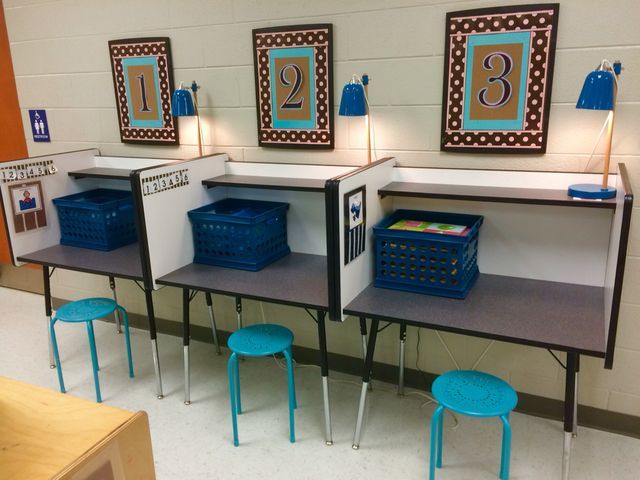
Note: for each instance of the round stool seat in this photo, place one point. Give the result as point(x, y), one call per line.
point(260, 340)
point(472, 393)
point(86, 309)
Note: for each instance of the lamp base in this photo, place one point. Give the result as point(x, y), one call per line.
point(591, 191)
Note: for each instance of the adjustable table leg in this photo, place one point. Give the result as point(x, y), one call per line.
point(366, 376)
point(154, 344)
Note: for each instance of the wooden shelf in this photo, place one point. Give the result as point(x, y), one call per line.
point(100, 172)
point(46, 434)
point(540, 313)
point(533, 196)
point(271, 183)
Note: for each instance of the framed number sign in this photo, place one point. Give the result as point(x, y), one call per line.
point(143, 83)
point(294, 86)
point(498, 74)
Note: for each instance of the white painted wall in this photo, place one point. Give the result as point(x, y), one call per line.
point(61, 63)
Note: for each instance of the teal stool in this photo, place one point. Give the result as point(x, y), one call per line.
point(259, 341)
point(88, 310)
point(475, 394)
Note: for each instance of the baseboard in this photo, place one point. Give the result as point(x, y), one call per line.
point(538, 406)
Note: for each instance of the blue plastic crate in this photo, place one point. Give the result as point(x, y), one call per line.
point(244, 234)
point(101, 219)
point(424, 262)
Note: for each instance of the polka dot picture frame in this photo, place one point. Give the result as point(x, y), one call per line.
point(498, 74)
point(143, 83)
point(294, 86)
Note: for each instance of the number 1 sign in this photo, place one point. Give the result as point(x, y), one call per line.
point(143, 85)
point(294, 91)
point(498, 73)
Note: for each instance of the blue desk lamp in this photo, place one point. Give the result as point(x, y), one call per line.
point(355, 103)
point(599, 93)
point(182, 105)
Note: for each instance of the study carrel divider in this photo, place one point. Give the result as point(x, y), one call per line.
point(64, 174)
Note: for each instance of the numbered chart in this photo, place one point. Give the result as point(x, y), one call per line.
point(165, 181)
point(27, 171)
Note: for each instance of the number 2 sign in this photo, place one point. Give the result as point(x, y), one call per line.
point(294, 76)
point(143, 85)
point(498, 75)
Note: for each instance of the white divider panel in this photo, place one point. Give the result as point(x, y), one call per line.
point(168, 230)
point(130, 163)
point(53, 185)
point(286, 170)
point(359, 273)
point(496, 178)
point(562, 244)
point(306, 224)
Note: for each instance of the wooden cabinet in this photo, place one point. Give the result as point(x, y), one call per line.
point(45, 434)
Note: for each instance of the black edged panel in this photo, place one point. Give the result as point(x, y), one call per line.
point(627, 206)
point(332, 215)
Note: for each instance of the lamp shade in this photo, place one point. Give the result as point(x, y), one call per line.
point(597, 91)
point(182, 103)
point(353, 103)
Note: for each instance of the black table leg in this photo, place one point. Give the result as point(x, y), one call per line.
point(239, 312)
point(366, 376)
point(116, 312)
point(48, 311)
point(575, 400)
point(154, 344)
point(403, 340)
point(186, 335)
point(212, 320)
point(324, 370)
point(569, 406)
point(363, 334)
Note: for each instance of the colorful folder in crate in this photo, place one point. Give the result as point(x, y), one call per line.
point(431, 227)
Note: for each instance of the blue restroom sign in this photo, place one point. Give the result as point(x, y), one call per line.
point(39, 126)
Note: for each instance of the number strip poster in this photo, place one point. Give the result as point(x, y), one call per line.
point(498, 74)
point(294, 86)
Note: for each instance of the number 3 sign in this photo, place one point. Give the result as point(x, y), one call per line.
point(143, 83)
point(498, 74)
point(294, 94)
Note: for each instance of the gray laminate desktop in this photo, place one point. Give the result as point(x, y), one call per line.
point(123, 262)
point(297, 279)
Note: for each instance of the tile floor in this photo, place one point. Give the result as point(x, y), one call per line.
point(194, 442)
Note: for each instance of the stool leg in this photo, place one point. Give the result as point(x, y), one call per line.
point(56, 356)
point(212, 320)
point(231, 372)
point(440, 429)
point(292, 396)
point(295, 399)
point(93, 336)
point(237, 381)
point(94, 359)
point(127, 338)
point(434, 447)
point(506, 447)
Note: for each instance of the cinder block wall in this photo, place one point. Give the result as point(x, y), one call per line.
point(61, 62)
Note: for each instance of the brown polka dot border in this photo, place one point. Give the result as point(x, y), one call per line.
point(144, 47)
point(541, 22)
point(320, 38)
